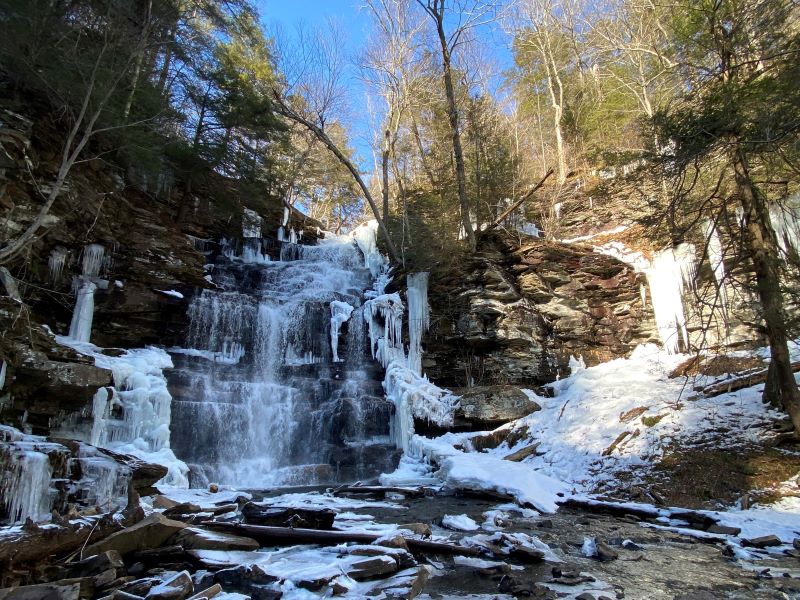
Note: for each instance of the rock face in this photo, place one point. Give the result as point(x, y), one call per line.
point(486, 407)
point(516, 314)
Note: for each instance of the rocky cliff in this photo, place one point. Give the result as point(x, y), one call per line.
point(517, 313)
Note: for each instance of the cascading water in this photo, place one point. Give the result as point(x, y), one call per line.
point(276, 386)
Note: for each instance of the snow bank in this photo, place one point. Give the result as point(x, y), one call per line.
point(479, 472)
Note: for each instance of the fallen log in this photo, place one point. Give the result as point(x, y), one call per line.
point(377, 490)
point(274, 536)
point(286, 516)
point(735, 383)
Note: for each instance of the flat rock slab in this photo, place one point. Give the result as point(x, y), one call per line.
point(150, 532)
point(193, 538)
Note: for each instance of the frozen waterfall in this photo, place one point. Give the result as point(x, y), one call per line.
point(276, 386)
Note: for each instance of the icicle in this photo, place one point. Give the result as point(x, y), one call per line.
point(285, 220)
point(25, 484)
point(56, 262)
point(93, 255)
point(340, 312)
point(293, 236)
point(715, 258)
point(671, 272)
point(251, 224)
point(3, 375)
point(418, 318)
point(281, 234)
point(80, 329)
point(390, 308)
point(557, 209)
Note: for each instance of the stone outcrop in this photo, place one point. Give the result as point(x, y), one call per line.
point(486, 407)
point(515, 314)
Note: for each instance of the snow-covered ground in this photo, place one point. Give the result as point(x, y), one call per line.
point(620, 417)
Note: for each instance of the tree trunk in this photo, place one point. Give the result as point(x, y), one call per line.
point(452, 115)
point(764, 252)
point(385, 174)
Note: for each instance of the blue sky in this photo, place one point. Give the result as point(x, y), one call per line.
point(356, 22)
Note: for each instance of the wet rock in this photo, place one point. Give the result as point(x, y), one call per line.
point(372, 567)
point(629, 545)
point(286, 516)
point(765, 541)
point(151, 532)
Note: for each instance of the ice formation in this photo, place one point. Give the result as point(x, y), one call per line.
point(716, 259)
point(134, 416)
point(56, 262)
point(25, 477)
point(366, 237)
point(279, 393)
point(2, 375)
point(672, 271)
point(786, 223)
point(418, 318)
point(386, 333)
point(80, 329)
point(251, 224)
point(340, 312)
point(93, 256)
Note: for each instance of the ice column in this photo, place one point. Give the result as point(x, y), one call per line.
point(340, 312)
point(25, 483)
point(418, 318)
point(671, 271)
point(715, 258)
point(787, 227)
point(80, 329)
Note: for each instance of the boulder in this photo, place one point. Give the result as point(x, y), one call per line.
point(493, 405)
point(151, 532)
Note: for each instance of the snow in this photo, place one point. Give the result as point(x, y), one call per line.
point(589, 547)
point(172, 293)
point(479, 472)
point(459, 523)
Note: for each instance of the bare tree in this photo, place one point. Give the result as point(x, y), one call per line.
point(98, 90)
point(313, 93)
point(467, 15)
